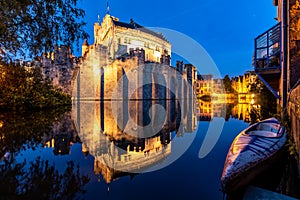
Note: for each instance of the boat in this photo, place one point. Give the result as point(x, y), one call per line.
point(253, 150)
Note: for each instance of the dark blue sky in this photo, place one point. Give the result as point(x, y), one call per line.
point(225, 29)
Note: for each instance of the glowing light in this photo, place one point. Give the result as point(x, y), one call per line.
point(252, 95)
point(157, 54)
point(252, 101)
point(96, 70)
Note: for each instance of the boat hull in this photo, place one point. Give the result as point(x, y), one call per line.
point(250, 155)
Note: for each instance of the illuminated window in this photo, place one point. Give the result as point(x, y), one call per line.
point(146, 44)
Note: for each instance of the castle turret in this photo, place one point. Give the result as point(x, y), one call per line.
point(85, 47)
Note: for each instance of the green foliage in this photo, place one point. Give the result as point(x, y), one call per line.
point(30, 27)
point(23, 89)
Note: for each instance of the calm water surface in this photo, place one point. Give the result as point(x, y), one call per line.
point(130, 150)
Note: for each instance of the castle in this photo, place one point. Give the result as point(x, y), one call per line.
point(120, 37)
point(58, 67)
point(124, 57)
point(128, 62)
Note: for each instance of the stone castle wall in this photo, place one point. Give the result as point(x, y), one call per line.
point(129, 77)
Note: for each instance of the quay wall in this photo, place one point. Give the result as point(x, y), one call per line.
point(293, 109)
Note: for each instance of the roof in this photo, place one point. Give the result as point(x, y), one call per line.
point(134, 25)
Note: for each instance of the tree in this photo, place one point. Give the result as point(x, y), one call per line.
point(38, 179)
point(26, 89)
point(227, 84)
point(265, 99)
point(41, 180)
point(30, 27)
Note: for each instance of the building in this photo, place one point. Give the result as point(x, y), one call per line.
point(204, 85)
point(293, 22)
point(119, 37)
point(125, 57)
point(277, 51)
point(58, 67)
point(241, 83)
point(218, 86)
point(191, 74)
point(289, 19)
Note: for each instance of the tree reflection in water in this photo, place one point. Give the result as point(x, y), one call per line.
point(266, 102)
point(40, 181)
point(36, 179)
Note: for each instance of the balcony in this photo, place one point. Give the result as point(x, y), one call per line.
point(267, 55)
point(267, 58)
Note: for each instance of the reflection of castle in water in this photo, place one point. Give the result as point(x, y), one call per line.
point(130, 136)
point(61, 136)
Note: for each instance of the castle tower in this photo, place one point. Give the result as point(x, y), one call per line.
point(85, 47)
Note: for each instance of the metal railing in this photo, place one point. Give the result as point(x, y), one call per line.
point(267, 54)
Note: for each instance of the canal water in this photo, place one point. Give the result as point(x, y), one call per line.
point(119, 150)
